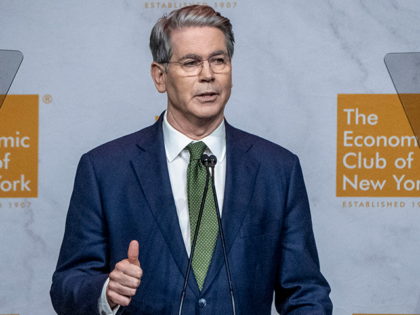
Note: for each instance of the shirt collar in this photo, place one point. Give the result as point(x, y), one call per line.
point(175, 141)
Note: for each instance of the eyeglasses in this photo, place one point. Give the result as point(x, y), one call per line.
point(193, 67)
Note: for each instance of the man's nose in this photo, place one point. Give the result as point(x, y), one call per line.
point(206, 73)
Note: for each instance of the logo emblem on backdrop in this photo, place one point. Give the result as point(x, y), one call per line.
point(19, 125)
point(377, 152)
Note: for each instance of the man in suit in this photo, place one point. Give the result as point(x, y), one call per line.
point(137, 192)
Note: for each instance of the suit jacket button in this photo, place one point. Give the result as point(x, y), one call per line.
point(202, 303)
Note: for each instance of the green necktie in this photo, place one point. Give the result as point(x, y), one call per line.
point(207, 234)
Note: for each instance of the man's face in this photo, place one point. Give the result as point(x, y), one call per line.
point(201, 97)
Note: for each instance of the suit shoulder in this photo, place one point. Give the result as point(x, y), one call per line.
point(263, 148)
point(123, 146)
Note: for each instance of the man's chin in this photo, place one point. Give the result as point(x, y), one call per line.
point(208, 114)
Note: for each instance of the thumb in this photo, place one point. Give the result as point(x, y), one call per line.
point(133, 253)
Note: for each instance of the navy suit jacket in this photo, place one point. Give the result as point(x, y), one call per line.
point(122, 192)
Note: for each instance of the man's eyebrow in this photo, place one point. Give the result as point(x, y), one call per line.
point(190, 56)
point(194, 56)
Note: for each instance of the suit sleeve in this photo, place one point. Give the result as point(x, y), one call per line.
point(82, 267)
point(300, 286)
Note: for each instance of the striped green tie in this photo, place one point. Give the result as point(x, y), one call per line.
point(207, 234)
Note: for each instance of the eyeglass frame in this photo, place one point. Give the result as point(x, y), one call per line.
point(195, 57)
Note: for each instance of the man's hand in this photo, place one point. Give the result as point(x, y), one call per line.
point(125, 278)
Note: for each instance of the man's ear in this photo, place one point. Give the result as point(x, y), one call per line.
point(159, 76)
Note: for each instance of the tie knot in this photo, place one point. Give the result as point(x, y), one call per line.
point(196, 150)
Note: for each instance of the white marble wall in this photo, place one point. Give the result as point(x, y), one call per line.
point(291, 60)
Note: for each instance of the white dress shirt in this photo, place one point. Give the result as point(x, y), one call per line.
point(177, 158)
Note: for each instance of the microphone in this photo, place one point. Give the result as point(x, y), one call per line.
point(204, 160)
point(211, 163)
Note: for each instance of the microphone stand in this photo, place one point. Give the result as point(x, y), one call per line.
point(212, 163)
point(208, 162)
point(200, 214)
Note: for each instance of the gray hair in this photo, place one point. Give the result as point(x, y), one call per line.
point(195, 15)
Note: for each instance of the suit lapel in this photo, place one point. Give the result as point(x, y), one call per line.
point(152, 171)
point(241, 171)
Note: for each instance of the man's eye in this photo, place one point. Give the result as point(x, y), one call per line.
point(217, 61)
point(190, 63)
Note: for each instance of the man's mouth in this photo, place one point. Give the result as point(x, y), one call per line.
point(207, 96)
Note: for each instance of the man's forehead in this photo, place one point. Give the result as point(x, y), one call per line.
point(192, 40)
